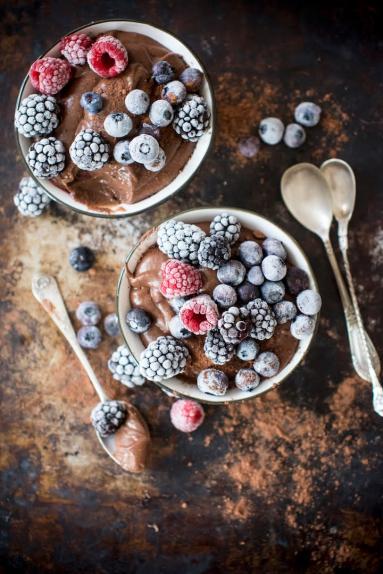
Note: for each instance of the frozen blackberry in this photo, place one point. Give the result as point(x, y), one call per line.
point(266, 364)
point(273, 291)
point(250, 253)
point(296, 280)
point(246, 380)
point(227, 226)
point(163, 358)
point(216, 349)
point(255, 275)
point(180, 240)
point(273, 246)
point(89, 337)
point(302, 327)
point(192, 118)
point(247, 350)
point(273, 268)
point(111, 325)
point(247, 292)
point(309, 302)
point(213, 252)
point(212, 382)
point(88, 313)
point(263, 320)
point(225, 295)
point(89, 151)
point(162, 72)
point(107, 417)
point(125, 368)
point(232, 273)
point(235, 324)
point(46, 157)
point(137, 320)
point(81, 258)
point(177, 328)
point(284, 311)
point(37, 115)
point(31, 199)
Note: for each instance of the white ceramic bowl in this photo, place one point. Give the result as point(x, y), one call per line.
point(250, 220)
point(201, 147)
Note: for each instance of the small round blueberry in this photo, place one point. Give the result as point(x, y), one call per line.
point(266, 364)
point(246, 380)
point(91, 102)
point(162, 72)
point(121, 153)
point(247, 292)
point(284, 311)
point(273, 291)
point(89, 337)
point(81, 258)
point(247, 350)
point(249, 147)
point(231, 273)
point(212, 381)
point(176, 303)
point(273, 268)
point(255, 275)
point(250, 253)
point(137, 102)
point(192, 79)
point(174, 92)
point(158, 163)
point(111, 325)
point(271, 130)
point(88, 312)
point(117, 124)
point(307, 114)
point(302, 327)
point(138, 320)
point(225, 295)
point(150, 130)
point(144, 148)
point(296, 280)
point(177, 328)
point(161, 113)
point(273, 246)
point(294, 136)
point(309, 302)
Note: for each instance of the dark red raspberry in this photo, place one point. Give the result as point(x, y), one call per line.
point(49, 75)
point(199, 315)
point(75, 48)
point(179, 279)
point(187, 415)
point(107, 57)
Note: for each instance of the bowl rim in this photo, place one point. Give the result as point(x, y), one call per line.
point(177, 394)
point(213, 115)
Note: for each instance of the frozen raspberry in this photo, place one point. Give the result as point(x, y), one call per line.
point(75, 48)
point(199, 315)
point(107, 57)
point(49, 75)
point(186, 415)
point(179, 279)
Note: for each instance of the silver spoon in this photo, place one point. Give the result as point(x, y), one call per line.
point(306, 195)
point(128, 446)
point(341, 181)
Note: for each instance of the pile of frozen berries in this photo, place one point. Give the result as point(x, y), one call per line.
point(257, 290)
point(177, 103)
point(272, 130)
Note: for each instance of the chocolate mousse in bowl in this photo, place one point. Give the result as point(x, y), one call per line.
point(115, 118)
point(217, 305)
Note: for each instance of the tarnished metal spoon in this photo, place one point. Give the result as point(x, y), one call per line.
point(341, 181)
point(129, 445)
point(307, 196)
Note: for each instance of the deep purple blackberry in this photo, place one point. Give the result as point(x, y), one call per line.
point(227, 226)
point(180, 240)
point(216, 349)
point(163, 358)
point(235, 324)
point(107, 417)
point(263, 320)
point(213, 252)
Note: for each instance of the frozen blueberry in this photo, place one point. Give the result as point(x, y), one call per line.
point(138, 320)
point(294, 135)
point(144, 148)
point(271, 130)
point(296, 280)
point(81, 258)
point(273, 268)
point(272, 291)
point(247, 292)
point(89, 337)
point(192, 79)
point(176, 303)
point(91, 102)
point(302, 327)
point(161, 113)
point(266, 364)
point(246, 379)
point(111, 325)
point(225, 295)
point(158, 163)
point(232, 273)
point(247, 350)
point(273, 246)
point(250, 253)
point(309, 302)
point(174, 92)
point(150, 130)
point(307, 114)
point(117, 124)
point(121, 153)
point(137, 102)
point(88, 313)
point(177, 329)
point(162, 72)
point(213, 382)
point(249, 147)
point(284, 311)
point(255, 275)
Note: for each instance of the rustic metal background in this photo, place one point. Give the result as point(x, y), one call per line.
point(288, 483)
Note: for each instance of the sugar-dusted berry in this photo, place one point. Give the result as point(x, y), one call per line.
point(49, 75)
point(75, 48)
point(199, 315)
point(179, 279)
point(187, 415)
point(107, 57)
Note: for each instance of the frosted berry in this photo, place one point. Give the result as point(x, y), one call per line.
point(232, 273)
point(31, 199)
point(199, 315)
point(137, 102)
point(88, 313)
point(107, 57)
point(302, 327)
point(81, 258)
point(157, 164)
point(307, 114)
point(75, 48)
point(272, 291)
point(192, 118)
point(250, 253)
point(217, 349)
point(192, 79)
point(263, 320)
point(271, 130)
point(118, 124)
point(213, 251)
point(176, 303)
point(150, 130)
point(247, 292)
point(309, 302)
point(37, 115)
point(247, 350)
point(162, 72)
point(273, 246)
point(107, 417)
point(235, 324)
point(225, 295)
point(89, 151)
point(284, 311)
point(174, 92)
point(249, 147)
point(177, 328)
point(161, 113)
point(227, 226)
point(294, 136)
point(163, 358)
point(179, 279)
point(91, 102)
point(186, 415)
point(121, 153)
point(138, 320)
point(49, 75)
point(89, 337)
point(46, 157)
point(144, 148)
point(246, 380)
point(273, 268)
point(125, 368)
point(180, 240)
point(266, 364)
point(212, 382)
point(255, 275)
point(296, 280)
point(111, 325)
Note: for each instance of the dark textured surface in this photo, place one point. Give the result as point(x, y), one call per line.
point(288, 483)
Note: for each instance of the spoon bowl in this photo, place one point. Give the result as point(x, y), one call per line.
point(341, 181)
